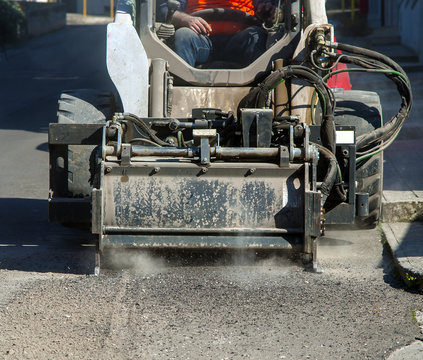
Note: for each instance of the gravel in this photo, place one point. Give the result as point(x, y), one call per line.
point(222, 306)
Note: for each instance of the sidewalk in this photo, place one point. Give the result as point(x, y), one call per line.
point(402, 205)
point(78, 19)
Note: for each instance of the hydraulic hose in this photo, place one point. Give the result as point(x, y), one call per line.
point(332, 172)
point(371, 61)
point(258, 96)
point(368, 53)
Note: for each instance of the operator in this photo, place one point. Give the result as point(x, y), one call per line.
point(197, 41)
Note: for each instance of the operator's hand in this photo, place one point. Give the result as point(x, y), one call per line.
point(195, 23)
point(198, 25)
point(265, 11)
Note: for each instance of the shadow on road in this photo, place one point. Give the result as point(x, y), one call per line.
point(30, 243)
point(391, 275)
point(43, 147)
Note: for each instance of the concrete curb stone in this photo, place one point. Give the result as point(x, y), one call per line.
point(413, 351)
point(78, 19)
point(405, 241)
point(402, 206)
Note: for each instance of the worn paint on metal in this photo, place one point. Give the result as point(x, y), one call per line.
point(188, 98)
point(200, 241)
point(222, 198)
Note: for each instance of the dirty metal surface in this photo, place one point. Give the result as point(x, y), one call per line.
point(185, 197)
point(188, 98)
point(203, 241)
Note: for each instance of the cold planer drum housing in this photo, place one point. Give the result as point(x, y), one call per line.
point(201, 187)
point(220, 156)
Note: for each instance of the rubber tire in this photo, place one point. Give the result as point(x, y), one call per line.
point(363, 110)
point(84, 106)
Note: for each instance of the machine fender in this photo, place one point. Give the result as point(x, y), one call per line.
point(127, 65)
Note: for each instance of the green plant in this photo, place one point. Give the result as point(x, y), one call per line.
point(413, 281)
point(413, 315)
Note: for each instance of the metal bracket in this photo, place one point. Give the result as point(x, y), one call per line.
point(205, 151)
point(362, 204)
point(125, 156)
point(312, 214)
point(294, 153)
point(307, 150)
point(204, 135)
point(256, 127)
point(283, 156)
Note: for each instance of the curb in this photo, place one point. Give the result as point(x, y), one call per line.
point(402, 211)
point(402, 206)
point(413, 351)
point(79, 19)
point(405, 243)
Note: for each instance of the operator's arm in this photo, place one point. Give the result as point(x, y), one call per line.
point(195, 23)
point(182, 19)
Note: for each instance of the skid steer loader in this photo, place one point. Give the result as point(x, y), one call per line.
point(219, 155)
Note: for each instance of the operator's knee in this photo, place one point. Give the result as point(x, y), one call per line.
point(256, 37)
point(184, 35)
point(184, 44)
point(191, 47)
point(249, 43)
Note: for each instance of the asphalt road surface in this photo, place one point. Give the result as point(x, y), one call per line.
point(181, 305)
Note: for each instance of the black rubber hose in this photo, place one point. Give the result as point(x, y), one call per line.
point(137, 121)
point(374, 61)
point(372, 65)
point(372, 54)
point(389, 128)
point(332, 171)
point(258, 95)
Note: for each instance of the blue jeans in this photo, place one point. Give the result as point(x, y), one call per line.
point(241, 48)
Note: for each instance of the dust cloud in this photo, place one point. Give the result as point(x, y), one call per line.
point(248, 267)
point(142, 262)
point(240, 266)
